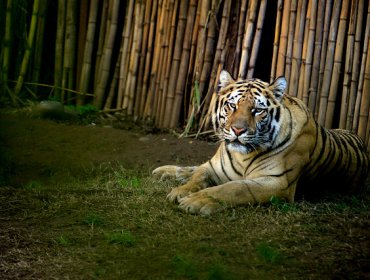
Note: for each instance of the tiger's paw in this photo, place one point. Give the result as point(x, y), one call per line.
point(165, 172)
point(181, 174)
point(180, 192)
point(200, 203)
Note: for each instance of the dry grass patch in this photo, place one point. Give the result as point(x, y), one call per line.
point(114, 223)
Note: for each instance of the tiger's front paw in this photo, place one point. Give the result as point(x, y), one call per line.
point(200, 203)
point(180, 192)
point(165, 172)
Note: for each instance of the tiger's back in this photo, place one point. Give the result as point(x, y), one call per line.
point(338, 162)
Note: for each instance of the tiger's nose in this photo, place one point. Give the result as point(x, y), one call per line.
point(238, 131)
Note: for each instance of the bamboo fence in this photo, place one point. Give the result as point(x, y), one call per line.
point(160, 59)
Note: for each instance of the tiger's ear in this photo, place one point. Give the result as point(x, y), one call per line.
point(278, 87)
point(225, 79)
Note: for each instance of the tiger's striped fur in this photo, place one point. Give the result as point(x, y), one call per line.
point(270, 145)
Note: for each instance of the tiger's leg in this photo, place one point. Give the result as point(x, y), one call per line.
point(234, 193)
point(181, 174)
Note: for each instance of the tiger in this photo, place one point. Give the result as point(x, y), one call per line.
point(269, 144)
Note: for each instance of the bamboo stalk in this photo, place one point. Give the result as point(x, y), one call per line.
point(356, 64)
point(207, 113)
point(188, 97)
point(113, 85)
point(6, 43)
point(162, 61)
point(365, 53)
point(292, 24)
point(180, 86)
point(206, 14)
point(106, 56)
point(134, 61)
point(257, 38)
point(147, 6)
point(27, 53)
point(101, 41)
point(276, 40)
point(309, 52)
point(176, 61)
point(248, 37)
point(82, 33)
point(297, 48)
point(148, 60)
point(150, 101)
point(239, 40)
point(209, 53)
point(59, 47)
point(168, 59)
point(304, 53)
point(36, 69)
point(368, 133)
point(68, 76)
point(327, 19)
point(316, 56)
point(365, 98)
point(337, 65)
point(283, 40)
point(85, 77)
point(329, 62)
point(125, 50)
point(161, 31)
point(348, 64)
point(222, 48)
point(219, 51)
point(230, 58)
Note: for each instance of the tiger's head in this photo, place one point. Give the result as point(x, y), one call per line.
point(247, 113)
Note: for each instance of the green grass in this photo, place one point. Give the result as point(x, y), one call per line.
point(114, 223)
point(121, 237)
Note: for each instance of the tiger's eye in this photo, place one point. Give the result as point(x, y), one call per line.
point(257, 111)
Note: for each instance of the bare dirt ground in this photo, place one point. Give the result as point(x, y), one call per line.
point(34, 149)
